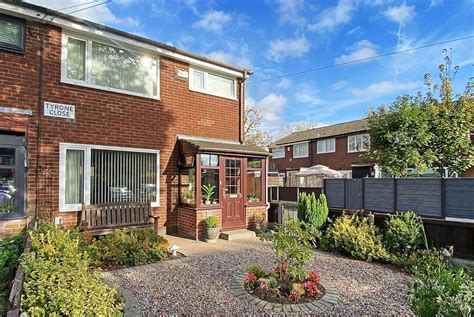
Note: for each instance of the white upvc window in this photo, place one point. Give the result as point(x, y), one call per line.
point(93, 174)
point(326, 146)
point(358, 143)
point(90, 63)
point(278, 152)
point(300, 150)
point(212, 83)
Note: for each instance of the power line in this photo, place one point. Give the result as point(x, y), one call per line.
point(360, 60)
point(89, 7)
point(76, 5)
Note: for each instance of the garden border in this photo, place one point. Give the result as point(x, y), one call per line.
point(330, 298)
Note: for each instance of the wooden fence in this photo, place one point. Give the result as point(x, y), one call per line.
point(428, 197)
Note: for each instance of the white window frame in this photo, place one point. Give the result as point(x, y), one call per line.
point(362, 148)
point(333, 140)
point(88, 67)
point(278, 149)
point(87, 148)
point(206, 80)
point(298, 145)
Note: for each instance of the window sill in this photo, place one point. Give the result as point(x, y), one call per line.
point(361, 151)
point(114, 90)
point(211, 206)
point(255, 204)
point(211, 94)
point(12, 215)
point(326, 152)
point(296, 157)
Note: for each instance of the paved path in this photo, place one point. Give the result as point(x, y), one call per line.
point(200, 284)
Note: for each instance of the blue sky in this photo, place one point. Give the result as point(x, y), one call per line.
point(275, 38)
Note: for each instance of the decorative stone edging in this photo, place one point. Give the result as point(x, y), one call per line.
point(330, 298)
point(132, 306)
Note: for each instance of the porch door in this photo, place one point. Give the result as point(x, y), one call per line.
point(233, 214)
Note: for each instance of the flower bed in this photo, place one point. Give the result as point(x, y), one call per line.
point(270, 287)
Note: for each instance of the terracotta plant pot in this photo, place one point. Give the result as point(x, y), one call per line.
point(212, 234)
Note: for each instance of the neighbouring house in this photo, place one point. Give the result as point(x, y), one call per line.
point(92, 115)
point(337, 146)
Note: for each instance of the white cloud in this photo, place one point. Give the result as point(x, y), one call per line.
point(289, 11)
point(284, 83)
point(213, 21)
point(99, 14)
point(384, 88)
point(435, 3)
point(131, 22)
point(292, 47)
point(338, 85)
point(352, 31)
point(230, 59)
point(401, 14)
point(360, 50)
point(333, 17)
point(309, 97)
point(271, 106)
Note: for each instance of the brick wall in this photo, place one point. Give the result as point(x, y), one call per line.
point(106, 118)
point(250, 213)
point(339, 160)
point(10, 228)
point(191, 221)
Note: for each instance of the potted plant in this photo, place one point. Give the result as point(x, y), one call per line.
point(257, 220)
point(252, 197)
point(208, 192)
point(187, 196)
point(212, 225)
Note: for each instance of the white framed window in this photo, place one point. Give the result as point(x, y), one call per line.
point(211, 83)
point(278, 152)
point(326, 146)
point(93, 174)
point(358, 143)
point(93, 64)
point(300, 150)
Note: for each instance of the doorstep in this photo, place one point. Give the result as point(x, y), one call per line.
point(240, 234)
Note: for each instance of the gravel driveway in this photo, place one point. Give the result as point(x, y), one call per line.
point(201, 284)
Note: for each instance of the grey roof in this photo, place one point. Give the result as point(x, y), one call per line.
point(224, 146)
point(124, 34)
point(324, 132)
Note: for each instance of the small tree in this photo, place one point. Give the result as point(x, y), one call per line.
point(313, 211)
point(253, 132)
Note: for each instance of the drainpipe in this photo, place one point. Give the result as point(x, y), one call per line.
point(241, 107)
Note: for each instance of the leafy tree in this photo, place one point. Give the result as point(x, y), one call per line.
point(425, 131)
point(252, 128)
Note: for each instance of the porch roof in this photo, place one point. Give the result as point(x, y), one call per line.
point(218, 145)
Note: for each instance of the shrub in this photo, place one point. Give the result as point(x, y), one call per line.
point(256, 270)
point(58, 280)
point(312, 210)
point(10, 251)
point(128, 247)
point(442, 291)
point(404, 233)
point(212, 222)
point(355, 236)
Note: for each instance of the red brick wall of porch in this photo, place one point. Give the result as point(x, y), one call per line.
point(191, 221)
point(106, 118)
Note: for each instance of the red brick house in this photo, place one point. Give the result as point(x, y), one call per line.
point(337, 146)
point(93, 115)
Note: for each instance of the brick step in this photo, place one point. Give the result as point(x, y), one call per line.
point(237, 234)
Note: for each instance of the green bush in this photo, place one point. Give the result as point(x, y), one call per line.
point(442, 290)
point(256, 270)
point(128, 247)
point(211, 222)
point(354, 235)
point(10, 251)
point(58, 280)
point(312, 210)
point(404, 233)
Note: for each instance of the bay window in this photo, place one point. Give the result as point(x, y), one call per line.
point(210, 178)
point(358, 143)
point(93, 64)
point(100, 174)
point(300, 150)
point(326, 146)
point(213, 84)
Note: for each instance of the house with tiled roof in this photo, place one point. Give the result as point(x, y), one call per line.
point(338, 146)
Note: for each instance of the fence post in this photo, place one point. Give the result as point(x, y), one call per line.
point(443, 198)
point(395, 190)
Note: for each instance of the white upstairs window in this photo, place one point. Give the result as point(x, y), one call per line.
point(278, 152)
point(326, 146)
point(97, 65)
point(300, 150)
point(358, 143)
point(213, 84)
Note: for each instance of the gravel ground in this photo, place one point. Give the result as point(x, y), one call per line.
point(201, 284)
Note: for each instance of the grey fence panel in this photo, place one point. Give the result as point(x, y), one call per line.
point(379, 194)
point(459, 197)
point(421, 195)
point(354, 194)
point(334, 191)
